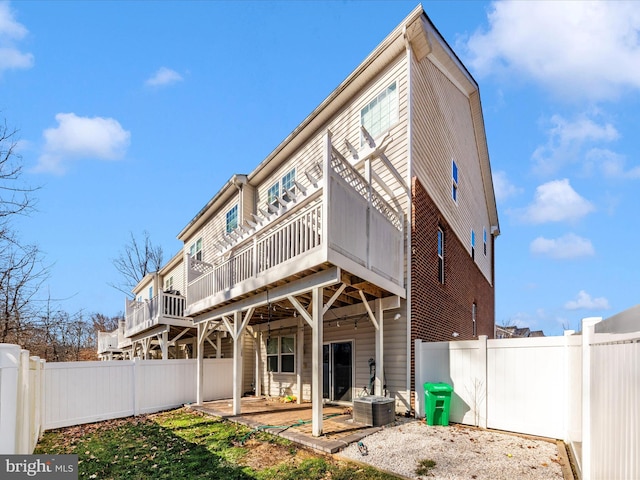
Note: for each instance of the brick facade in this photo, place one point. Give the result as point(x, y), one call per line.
point(438, 310)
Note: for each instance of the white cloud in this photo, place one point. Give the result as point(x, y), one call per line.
point(556, 201)
point(81, 137)
point(610, 164)
point(502, 187)
point(578, 49)
point(163, 77)
point(567, 139)
point(584, 301)
point(11, 57)
point(566, 247)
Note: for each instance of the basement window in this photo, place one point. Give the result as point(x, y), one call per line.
point(281, 354)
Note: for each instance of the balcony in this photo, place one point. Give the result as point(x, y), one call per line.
point(108, 342)
point(163, 309)
point(123, 342)
point(341, 220)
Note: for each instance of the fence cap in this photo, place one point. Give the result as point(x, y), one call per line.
point(9, 355)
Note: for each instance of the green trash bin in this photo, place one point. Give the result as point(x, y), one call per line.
point(437, 402)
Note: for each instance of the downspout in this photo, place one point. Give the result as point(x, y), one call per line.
point(408, 217)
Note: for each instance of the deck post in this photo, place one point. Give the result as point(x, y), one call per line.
point(379, 381)
point(316, 363)
point(199, 363)
point(258, 381)
point(237, 362)
point(164, 342)
point(299, 354)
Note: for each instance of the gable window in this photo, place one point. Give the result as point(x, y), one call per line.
point(474, 310)
point(440, 255)
point(232, 219)
point(473, 244)
point(281, 354)
point(195, 251)
point(381, 113)
point(484, 240)
point(454, 180)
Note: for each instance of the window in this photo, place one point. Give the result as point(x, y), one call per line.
point(195, 251)
point(286, 183)
point(484, 240)
point(381, 113)
point(454, 181)
point(232, 219)
point(440, 255)
point(150, 292)
point(474, 309)
point(273, 193)
point(281, 354)
point(473, 244)
point(168, 283)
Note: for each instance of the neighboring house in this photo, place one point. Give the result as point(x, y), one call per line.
point(370, 226)
point(515, 332)
point(108, 348)
point(155, 323)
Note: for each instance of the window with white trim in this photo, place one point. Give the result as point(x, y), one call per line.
point(195, 250)
point(381, 113)
point(473, 244)
point(441, 255)
point(281, 357)
point(232, 219)
point(484, 240)
point(151, 292)
point(454, 181)
point(168, 283)
point(474, 311)
point(273, 193)
point(287, 182)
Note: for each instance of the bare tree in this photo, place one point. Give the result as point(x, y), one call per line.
point(137, 259)
point(104, 323)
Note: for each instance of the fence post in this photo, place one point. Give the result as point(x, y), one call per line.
point(36, 395)
point(588, 334)
point(136, 381)
point(22, 410)
point(482, 386)
point(418, 378)
point(9, 358)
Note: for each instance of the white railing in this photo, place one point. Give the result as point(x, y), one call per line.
point(107, 341)
point(298, 234)
point(375, 240)
point(123, 342)
point(148, 313)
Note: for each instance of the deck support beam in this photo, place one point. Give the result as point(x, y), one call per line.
point(379, 381)
point(237, 362)
point(316, 363)
point(202, 327)
point(299, 354)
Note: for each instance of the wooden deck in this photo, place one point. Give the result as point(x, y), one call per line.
point(293, 421)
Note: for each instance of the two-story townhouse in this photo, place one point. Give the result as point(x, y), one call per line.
point(371, 225)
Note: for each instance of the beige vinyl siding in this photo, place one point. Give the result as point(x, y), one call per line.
point(177, 273)
point(443, 131)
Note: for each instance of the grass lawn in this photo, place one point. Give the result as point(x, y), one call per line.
point(183, 444)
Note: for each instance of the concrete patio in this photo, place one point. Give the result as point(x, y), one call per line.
point(293, 421)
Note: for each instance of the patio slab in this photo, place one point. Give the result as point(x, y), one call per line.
point(293, 421)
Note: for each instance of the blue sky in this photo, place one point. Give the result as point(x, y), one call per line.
point(133, 114)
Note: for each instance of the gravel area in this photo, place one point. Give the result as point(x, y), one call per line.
point(459, 452)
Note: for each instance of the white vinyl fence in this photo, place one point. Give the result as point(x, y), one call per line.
point(37, 396)
point(583, 389)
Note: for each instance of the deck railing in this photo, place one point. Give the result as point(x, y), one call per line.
point(123, 342)
point(107, 341)
point(141, 315)
point(294, 232)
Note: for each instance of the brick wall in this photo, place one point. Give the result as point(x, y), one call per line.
point(438, 310)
